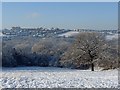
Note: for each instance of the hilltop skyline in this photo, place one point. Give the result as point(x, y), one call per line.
point(61, 15)
point(54, 28)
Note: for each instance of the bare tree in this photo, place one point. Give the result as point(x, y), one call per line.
point(86, 49)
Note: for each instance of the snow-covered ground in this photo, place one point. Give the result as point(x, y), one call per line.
point(1, 34)
point(52, 77)
point(70, 33)
point(110, 37)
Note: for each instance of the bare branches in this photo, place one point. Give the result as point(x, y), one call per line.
point(89, 48)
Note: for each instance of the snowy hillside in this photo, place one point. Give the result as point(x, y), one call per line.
point(1, 34)
point(110, 37)
point(49, 77)
point(70, 33)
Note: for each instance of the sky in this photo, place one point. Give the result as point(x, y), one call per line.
point(60, 0)
point(67, 15)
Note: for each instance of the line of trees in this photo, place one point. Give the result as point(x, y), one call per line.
point(43, 52)
point(87, 50)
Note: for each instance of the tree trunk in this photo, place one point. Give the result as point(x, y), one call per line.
point(91, 59)
point(92, 67)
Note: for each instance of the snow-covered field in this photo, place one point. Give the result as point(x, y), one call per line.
point(51, 77)
point(110, 37)
point(70, 33)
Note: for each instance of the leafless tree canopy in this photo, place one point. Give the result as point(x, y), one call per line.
point(88, 49)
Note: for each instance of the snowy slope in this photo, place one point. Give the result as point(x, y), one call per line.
point(42, 77)
point(1, 34)
point(70, 33)
point(110, 37)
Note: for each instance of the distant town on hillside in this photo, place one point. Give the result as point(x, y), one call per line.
point(52, 32)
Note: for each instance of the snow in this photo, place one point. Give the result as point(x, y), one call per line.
point(110, 37)
point(70, 33)
point(1, 34)
point(53, 77)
